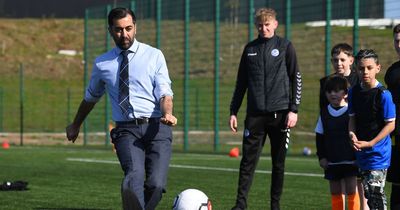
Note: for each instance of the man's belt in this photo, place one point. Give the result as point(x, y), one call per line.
point(137, 121)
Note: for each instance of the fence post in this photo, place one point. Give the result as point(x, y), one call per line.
point(158, 24)
point(328, 36)
point(216, 76)
point(186, 79)
point(355, 26)
point(132, 5)
point(106, 98)
point(268, 3)
point(85, 72)
point(288, 20)
point(21, 103)
point(251, 20)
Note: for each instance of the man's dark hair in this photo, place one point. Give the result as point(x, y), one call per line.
point(342, 47)
point(365, 54)
point(118, 13)
point(396, 29)
point(336, 83)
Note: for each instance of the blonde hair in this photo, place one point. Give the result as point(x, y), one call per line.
point(264, 14)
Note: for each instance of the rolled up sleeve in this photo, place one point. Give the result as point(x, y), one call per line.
point(162, 80)
point(96, 87)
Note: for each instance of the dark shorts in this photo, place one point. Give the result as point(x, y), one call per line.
point(393, 174)
point(337, 172)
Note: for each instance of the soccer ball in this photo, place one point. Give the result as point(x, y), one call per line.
point(306, 151)
point(192, 199)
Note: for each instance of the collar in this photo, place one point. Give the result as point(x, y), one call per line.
point(336, 113)
point(265, 39)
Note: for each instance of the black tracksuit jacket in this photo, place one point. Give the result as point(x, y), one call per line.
point(269, 71)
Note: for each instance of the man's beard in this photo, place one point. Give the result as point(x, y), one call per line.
point(123, 45)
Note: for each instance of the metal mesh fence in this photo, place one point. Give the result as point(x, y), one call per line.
point(162, 24)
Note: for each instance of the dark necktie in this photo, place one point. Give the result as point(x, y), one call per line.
point(124, 83)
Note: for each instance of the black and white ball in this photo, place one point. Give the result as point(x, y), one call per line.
point(192, 199)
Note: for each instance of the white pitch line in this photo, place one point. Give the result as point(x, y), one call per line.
point(237, 170)
point(195, 167)
point(87, 160)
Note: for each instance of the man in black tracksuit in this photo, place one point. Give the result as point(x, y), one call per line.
point(268, 71)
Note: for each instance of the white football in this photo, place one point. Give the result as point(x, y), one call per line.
point(192, 199)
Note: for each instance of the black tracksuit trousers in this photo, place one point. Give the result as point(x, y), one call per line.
point(257, 128)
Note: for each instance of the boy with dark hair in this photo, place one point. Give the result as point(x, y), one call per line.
point(372, 119)
point(335, 155)
point(392, 79)
point(342, 60)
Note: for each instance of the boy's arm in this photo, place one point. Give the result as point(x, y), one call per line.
point(386, 130)
point(352, 119)
point(321, 152)
point(319, 139)
point(352, 130)
point(352, 125)
point(389, 114)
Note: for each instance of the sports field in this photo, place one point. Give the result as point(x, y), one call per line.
point(72, 177)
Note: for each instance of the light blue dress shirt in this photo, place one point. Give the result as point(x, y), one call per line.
point(148, 81)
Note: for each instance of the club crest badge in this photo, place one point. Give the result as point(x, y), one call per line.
point(275, 52)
